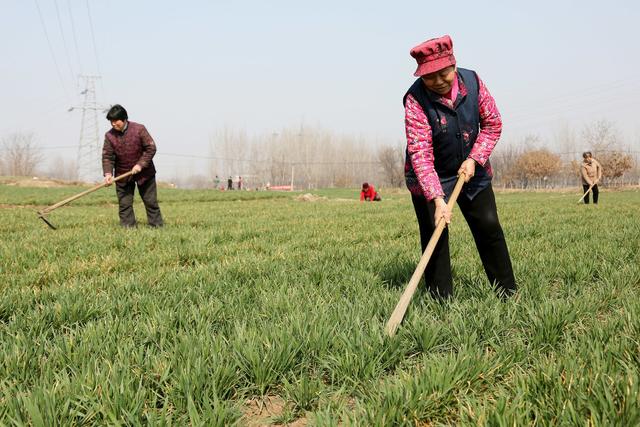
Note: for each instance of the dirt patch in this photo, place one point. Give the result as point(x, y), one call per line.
point(163, 184)
point(7, 206)
point(40, 182)
point(308, 197)
point(44, 182)
point(266, 411)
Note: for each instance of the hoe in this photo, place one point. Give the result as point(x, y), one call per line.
point(405, 299)
point(585, 193)
point(42, 214)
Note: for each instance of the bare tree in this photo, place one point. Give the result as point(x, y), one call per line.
point(600, 136)
point(310, 157)
point(228, 148)
point(538, 166)
point(614, 164)
point(392, 163)
point(64, 169)
point(603, 138)
point(565, 138)
point(19, 155)
point(572, 172)
point(504, 161)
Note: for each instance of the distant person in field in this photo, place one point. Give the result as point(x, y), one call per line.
point(230, 183)
point(452, 125)
point(216, 182)
point(129, 147)
point(368, 193)
point(591, 173)
point(239, 183)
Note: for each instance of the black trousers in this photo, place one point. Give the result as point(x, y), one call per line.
point(595, 192)
point(482, 217)
point(148, 193)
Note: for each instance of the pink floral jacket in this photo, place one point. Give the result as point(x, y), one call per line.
point(420, 143)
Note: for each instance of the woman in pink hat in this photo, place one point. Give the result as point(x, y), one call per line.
point(452, 124)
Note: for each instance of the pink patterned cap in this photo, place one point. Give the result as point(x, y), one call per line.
point(433, 55)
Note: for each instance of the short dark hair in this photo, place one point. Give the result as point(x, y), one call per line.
point(117, 112)
point(586, 153)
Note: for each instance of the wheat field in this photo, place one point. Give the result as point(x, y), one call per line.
point(258, 308)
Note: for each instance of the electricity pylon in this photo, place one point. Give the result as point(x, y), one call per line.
point(89, 160)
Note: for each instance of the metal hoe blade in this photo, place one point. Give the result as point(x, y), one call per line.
point(42, 217)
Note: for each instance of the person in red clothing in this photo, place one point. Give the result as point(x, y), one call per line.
point(129, 147)
point(368, 193)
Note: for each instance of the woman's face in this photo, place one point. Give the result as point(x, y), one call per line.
point(118, 124)
point(440, 82)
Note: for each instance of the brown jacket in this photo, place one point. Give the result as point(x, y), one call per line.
point(591, 172)
point(123, 150)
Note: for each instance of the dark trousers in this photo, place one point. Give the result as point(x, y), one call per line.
point(482, 217)
point(148, 193)
point(594, 190)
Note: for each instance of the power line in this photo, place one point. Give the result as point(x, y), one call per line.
point(230, 159)
point(59, 147)
point(53, 55)
point(571, 96)
point(573, 107)
point(28, 120)
point(75, 39)
point(64, 40)
point(95, 49)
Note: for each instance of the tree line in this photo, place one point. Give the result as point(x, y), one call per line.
point(310, 158)
point(528, 164)
point(315, 158)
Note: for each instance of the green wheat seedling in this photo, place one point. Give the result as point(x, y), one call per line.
point(245, 296)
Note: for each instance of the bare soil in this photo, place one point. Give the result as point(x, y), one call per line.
point(263, 412)
point(308, 197)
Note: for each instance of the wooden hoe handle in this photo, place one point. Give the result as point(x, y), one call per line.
point(84, 193)
point(405, 299)
point(586, 192)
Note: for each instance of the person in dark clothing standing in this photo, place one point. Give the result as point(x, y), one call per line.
point(452, 125)
point(230, 183)
point(128, 146)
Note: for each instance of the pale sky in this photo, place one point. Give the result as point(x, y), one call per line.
point(188, 69)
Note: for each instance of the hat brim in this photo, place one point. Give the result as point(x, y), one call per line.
point(435, 65)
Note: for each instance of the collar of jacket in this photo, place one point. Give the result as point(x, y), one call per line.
point(123, 131)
